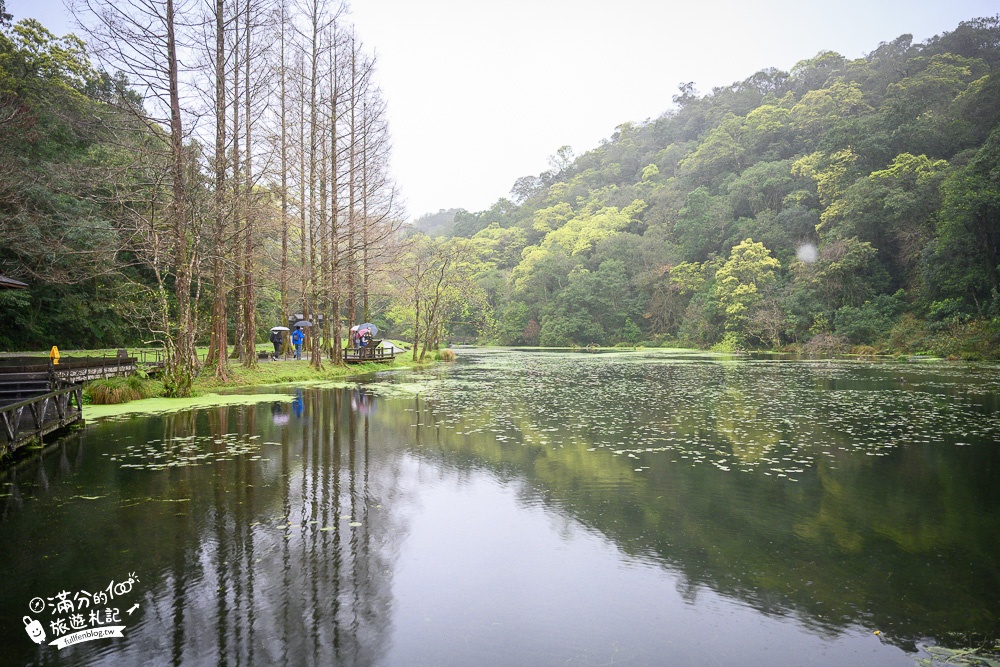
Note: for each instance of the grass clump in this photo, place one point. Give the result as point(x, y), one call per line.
point(120, 389)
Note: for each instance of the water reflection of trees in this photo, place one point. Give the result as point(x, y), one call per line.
point(241, 561)
point(904, 542)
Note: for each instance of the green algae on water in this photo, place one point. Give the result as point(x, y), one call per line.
point(151, 406)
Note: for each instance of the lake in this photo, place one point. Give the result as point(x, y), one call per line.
point(522, 508)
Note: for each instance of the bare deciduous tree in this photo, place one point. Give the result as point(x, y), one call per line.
point(141, 38)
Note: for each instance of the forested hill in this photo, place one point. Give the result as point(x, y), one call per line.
point(843, 203)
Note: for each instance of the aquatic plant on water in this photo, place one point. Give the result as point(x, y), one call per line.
point(115, 390)
point(983, 656)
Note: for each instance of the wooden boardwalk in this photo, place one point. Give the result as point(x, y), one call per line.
point(24, 377)
point(367, 355)
point(351, 355)
point(38, 397)
point(33, 418)
point(93, 368)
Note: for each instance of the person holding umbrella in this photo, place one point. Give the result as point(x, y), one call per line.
point(363, 338)
point(276, 340)
point(297, 338)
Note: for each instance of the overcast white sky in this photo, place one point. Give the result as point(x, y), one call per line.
point(481, 92)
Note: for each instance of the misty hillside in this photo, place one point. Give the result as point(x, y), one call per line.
point(842, 203)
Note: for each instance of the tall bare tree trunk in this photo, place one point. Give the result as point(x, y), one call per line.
point(338, 346)
point(181, 368)
point(324, 253)
point(317, 357)
point(239, 282)
point(351, 196)
point(249, 291)
point(303, 235)
point(284, 183)
point(364, 213)
point(219, 344)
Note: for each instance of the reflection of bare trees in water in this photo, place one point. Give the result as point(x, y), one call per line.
point(241, 561)
point(265, 566)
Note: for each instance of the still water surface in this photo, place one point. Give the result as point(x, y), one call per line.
point(524, 508)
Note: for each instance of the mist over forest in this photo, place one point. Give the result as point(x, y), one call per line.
point(844, 203)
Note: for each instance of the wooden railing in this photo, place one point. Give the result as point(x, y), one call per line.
point(93, 368)
point(371, 353)
point(38, 416)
